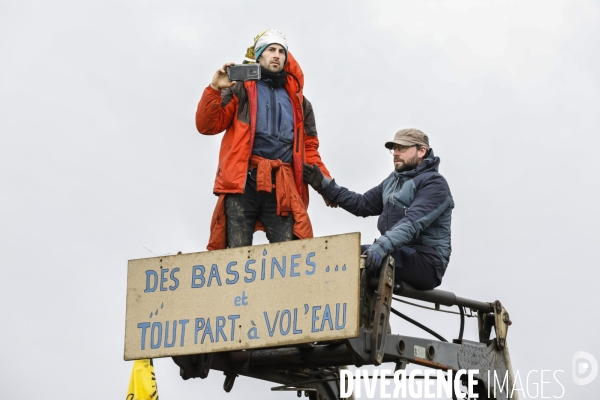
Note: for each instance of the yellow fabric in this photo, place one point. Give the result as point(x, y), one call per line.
point(250, 50)
point(142, 385)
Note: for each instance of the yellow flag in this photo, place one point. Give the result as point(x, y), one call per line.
point(142, 385)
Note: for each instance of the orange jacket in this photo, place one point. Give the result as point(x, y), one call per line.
point(234, 110)
point(288, 201)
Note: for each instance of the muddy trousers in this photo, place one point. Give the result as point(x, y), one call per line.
point(414, 266)
point(243, 210)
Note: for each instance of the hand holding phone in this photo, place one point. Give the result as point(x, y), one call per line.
point(220, 79)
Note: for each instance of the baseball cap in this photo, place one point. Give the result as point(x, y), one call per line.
point(408, 137)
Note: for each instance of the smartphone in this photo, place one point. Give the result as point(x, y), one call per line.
point(243, 72)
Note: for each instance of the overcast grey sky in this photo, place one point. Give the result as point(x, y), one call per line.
point(100, 159)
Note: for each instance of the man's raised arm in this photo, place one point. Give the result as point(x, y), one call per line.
point(217, 105)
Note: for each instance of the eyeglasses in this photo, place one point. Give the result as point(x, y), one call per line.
point(401, 149)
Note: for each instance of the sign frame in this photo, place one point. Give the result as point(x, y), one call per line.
point(268, 295)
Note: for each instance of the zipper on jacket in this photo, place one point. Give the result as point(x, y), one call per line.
point(268, 118)
point(298, 140)
point(280, 128)
point(272, 111)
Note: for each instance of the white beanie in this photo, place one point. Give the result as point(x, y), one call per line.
point(271, 36)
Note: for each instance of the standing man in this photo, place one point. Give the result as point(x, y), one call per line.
point(414, 205)
point(270, 133)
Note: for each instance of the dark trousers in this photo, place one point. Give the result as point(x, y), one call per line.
point(243, 210)
point(414, 266)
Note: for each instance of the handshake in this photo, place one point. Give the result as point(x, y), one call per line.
point(315, 178)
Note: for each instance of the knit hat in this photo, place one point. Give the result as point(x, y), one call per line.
point(264, 39)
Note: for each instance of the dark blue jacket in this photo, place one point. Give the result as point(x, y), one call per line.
point(274, 123)
point(414, 207)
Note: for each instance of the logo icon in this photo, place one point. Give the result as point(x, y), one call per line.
point(584, 368)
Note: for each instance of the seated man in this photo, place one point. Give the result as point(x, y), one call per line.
point(414, 205)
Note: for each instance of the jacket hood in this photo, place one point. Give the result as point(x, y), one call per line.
point(292, 67)
point(429, 163)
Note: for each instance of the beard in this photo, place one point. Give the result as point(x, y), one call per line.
point(275, 68)
point(407, 165)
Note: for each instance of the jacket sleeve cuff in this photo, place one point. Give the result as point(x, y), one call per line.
point(327, 188)
point(377, 246)
point(209, 89)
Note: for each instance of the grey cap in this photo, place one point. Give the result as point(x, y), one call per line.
point(409, 137)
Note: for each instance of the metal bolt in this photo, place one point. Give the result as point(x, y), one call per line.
point(430, 352)
point(401, 346)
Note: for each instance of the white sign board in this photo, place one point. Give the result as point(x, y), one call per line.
point(248, 297)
